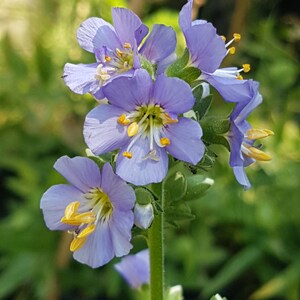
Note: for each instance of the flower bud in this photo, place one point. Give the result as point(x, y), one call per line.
point(175, 293)
point(143, 215)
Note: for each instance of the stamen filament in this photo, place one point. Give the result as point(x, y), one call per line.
point(151, 133)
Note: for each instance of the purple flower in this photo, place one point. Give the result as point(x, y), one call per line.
point(142, 121)
point(207, 51)
point(96, 207)
point(116, 51)
point(135, 269)
point(242, 137)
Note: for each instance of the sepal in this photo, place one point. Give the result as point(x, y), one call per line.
point(143, 196)
point(148, 66)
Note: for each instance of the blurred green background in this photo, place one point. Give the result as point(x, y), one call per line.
point(244, 245)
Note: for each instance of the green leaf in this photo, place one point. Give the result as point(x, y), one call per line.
point(177, 66)
point(202, 106)
point(279, 283)
point(175, 187)
point(178, 213)
point(189, 74)
point(198, 92)
point(213, 130)
point(234, 268)
point(197, 185)
point(19, 270)
point(215, 125)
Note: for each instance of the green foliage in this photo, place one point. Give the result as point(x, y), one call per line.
point(181, 69)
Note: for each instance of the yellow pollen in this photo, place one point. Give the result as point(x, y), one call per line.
point(119, 52)
point(123, 120)
point(165, 141)
point(223, 38)
point(77, 243)
point(239, 77)
point(132, 129)
point(127, 154)
point(107, 58)
point(246, 68)
point(255, 134)
point(127, 46)
point(86, 231)
point(258, 154)
point(231, 50)
point(236, 37)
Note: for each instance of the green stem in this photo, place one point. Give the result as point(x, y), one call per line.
point(156, 249)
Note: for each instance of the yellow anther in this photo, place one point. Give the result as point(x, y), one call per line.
point(127, 46)
point(127, 154)
point(165, 141)
point(70, 221)
point(86, 217)
point(246, 68)
point(236, 37)
point(78, 219)
point(86, 231)
point(223, 38)
point(168, 119)
point(257, 154)
point(239, 77)
point(107, 58)
point(77, 243)
point(255, 134)
point(71, 209)
point(231, 50)
point(132, 129)
point(119, 52)
point(123, 120)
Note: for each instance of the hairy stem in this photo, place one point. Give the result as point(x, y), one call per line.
point(156, 249)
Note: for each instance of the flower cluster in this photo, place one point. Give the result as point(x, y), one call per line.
point(144, 119)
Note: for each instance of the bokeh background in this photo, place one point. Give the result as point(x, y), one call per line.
point(244, 245)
